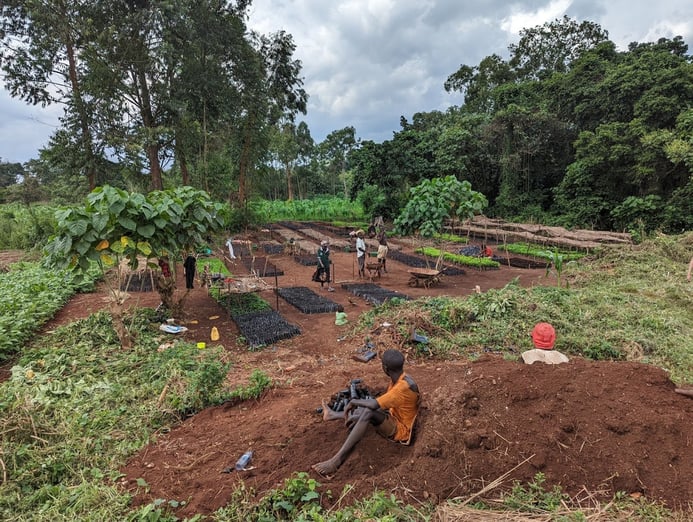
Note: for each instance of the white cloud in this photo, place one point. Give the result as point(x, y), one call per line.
point(523, 19)
point(368, 62)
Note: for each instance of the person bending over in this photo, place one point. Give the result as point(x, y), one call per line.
point(392, 414)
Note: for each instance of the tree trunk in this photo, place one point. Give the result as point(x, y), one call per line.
point(124, 335)
point(183, 163)
point(289, 184)
point(245, 160)
point(87, 143)
point(152, 145)
point(156, 182)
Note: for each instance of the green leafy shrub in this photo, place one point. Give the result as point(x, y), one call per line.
point(25, 227)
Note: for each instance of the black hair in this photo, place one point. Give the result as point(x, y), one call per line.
point(393, 359)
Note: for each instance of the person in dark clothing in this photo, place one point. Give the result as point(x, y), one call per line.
point(189, 265)
point(324, 265)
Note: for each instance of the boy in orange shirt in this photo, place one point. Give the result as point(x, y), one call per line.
point(392, 414)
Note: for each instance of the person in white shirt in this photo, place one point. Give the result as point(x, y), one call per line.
point(361, 253)
point(229, 243)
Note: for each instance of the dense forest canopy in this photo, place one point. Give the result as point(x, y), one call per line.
point(567, 130)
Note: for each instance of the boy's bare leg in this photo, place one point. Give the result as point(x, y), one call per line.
point(328, 467)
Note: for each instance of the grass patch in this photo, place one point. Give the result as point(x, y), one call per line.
point(533, 501)
point(299, 499)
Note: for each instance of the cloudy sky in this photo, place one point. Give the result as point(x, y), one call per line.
point(368, 62)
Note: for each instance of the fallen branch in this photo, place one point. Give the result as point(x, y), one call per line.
point(495, 483)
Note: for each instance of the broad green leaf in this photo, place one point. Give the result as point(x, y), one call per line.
point(77, 228)
point(127, 223)
point(146, 230)
point(99, 221)
point(107, 259)
point(144, 247)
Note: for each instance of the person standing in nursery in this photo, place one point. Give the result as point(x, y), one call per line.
point(324, 265)
point(361, 253)
point(382, 249)
point(189, 265)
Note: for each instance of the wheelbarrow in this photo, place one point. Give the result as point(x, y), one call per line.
point(425, 277)
point(374, 269)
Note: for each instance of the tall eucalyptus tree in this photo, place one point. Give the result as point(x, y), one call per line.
point(41, 48)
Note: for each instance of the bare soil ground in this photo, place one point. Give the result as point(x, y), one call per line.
point(593, 428)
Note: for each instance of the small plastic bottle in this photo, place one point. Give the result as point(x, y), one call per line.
point(243, 462)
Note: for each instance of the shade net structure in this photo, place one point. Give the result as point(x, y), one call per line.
point(373, 293)
point(308, 301)
point(265, 327)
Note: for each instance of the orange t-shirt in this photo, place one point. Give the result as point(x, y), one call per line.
point(403, 405)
